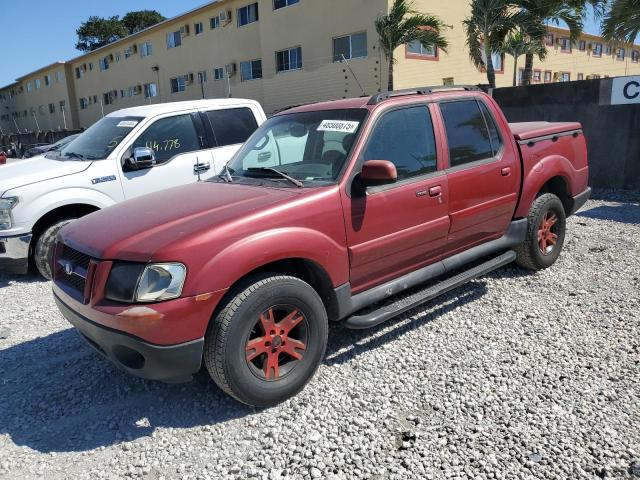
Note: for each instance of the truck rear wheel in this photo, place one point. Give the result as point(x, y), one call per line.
point(43, 251)
point(546, 227)
point(268, 341)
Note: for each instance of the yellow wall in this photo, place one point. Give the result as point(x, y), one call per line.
point(311, 24)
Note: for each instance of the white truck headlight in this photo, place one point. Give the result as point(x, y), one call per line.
point(161, 281)
point(6, 205)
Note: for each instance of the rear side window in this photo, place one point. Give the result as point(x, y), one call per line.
point(405, 137)
point(169, 137)
point(232, 126)
point(494, 134)
point(467, 133)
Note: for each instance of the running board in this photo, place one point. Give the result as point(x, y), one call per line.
point(371, 319)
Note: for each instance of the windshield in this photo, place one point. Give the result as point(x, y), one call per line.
point(99, 140)
point(308, 146)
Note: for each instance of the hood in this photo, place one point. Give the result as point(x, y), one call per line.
point(134, 230)
point(37, 169)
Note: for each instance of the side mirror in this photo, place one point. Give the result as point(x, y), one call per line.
point(142, 158)
point(378, 172)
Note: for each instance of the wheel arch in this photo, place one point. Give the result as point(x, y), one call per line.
point(73, 210)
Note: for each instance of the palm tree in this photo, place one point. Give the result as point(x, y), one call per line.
point(622, 21)
point(486, 28)
point(403, 25)
point(518, 44)
point(537, 14)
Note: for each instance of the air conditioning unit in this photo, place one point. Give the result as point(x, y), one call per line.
point(230, 69)
point(184, 30)
point(225, 17)
point(111, 57)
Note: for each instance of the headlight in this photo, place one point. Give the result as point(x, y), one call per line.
point(161, 281)
point(6, 205)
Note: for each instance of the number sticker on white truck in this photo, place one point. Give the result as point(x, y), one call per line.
point(338, 126)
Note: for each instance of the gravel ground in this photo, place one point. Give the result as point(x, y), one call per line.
point(515, 375)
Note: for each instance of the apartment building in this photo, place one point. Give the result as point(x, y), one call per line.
point(281, 53)
point(42, 100)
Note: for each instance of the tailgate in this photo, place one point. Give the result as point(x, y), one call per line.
point(532, 130)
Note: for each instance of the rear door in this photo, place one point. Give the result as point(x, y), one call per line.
point(181, 147)
point(395, 228)
point(231, 127)
point(483, 173)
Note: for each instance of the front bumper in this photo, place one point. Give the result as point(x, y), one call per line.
point(171, 364)
point(14, 254)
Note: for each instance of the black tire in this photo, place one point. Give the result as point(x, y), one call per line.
point(530, 252)
point(231, 332)
point(43, 250)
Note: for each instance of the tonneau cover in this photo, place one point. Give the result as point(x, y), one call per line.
point(529, 130)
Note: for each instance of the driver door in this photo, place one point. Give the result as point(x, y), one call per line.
point(181, 149)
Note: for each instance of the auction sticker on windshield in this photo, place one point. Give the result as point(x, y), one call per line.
point(338, 126)
point(128, 123)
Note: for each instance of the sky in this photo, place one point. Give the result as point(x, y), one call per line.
point(36, 33)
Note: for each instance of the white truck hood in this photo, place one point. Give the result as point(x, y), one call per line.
point(37, 169)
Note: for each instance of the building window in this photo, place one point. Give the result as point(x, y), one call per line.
point(290, 59)
point(84, 103)
point(150, 90)
point(108, 98)
point(608, 50)
point(178, 84)
point(47, 80)
point(58, 77)
point(564, 77)
point(537, 76)
point(278, 4)
point(582, 45)
point(520, 76)
point(214, 22)
point(250, 70)
point(202, 76)
point(547, 76)
point(448, 82)
point(95, 99)
point(595, 76)
point(620, 53)
point(52, 108)
point(29, 86)
point(198, 28)
point(38, 83)
point(417, 48)
point(635, 56)
point(90, 66)
point(79, 72)
point(350, 46)
point(117, 56)
point(174, 39)
point(581, 76)
point(548, 39)
point(248, 14)
point(565, 45)
point(597, 49)
point(104, 64)
point(218, 73)
point(497, 60)
point(146, 49)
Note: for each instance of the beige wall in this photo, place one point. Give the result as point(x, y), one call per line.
point(310, 24)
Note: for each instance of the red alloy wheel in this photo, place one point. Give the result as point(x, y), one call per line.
point(277, 342)
point(547, 233)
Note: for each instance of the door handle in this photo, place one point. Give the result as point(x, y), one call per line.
point(505, 172)
point(201, 167)
point(435, 191)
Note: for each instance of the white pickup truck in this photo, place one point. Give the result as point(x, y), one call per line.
point(128, 153)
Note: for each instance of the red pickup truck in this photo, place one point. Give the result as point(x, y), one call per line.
point(353, 211)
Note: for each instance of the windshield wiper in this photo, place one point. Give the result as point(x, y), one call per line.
point(297, 183)
point(74, 155)
point(226, 174)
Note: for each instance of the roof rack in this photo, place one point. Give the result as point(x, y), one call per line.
point(379, 97)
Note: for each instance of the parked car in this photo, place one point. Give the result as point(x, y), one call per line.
point(126, 154)
point(338, 211)
point(52, 147)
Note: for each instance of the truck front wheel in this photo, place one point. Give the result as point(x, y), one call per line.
point(268, 341)
point(43, 251)
point(546, 227)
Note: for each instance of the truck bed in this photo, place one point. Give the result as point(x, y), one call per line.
point(531, 130)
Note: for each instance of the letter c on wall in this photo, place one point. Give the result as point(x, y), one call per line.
point(627, 92)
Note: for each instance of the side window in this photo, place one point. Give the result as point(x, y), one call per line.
point(405, 137)
point(169, 137)
point(232, 126)
point(494, 134)
point(467, 132)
